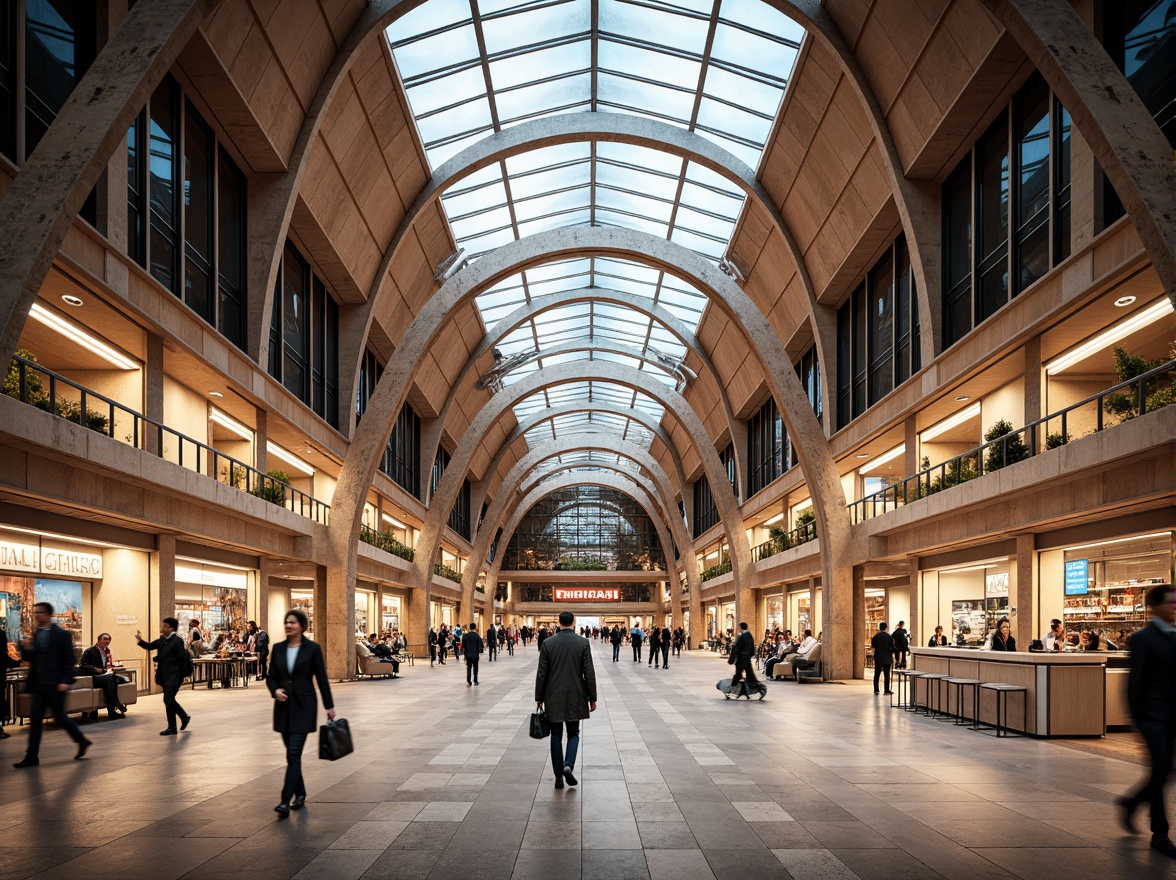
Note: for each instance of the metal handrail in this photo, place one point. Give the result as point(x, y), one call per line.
point(802, 534)
point(385, 541)
point(995, 454)
point(110, 417)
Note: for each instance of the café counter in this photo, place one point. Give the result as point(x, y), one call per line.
point(1069, 694)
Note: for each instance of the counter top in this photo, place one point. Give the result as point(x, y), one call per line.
point(1036, 658)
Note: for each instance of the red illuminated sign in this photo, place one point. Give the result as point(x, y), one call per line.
point(587, 594)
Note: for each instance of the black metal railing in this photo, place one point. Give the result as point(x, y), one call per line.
point(442, 570)
point(717, 570)
point(1127, 399)
point(802, 534)
point(33, 384)
point(385, 541)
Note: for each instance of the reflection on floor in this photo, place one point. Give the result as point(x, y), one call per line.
point(817, 781)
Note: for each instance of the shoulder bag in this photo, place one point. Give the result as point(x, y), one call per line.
point(540, 728)
point(335, 740)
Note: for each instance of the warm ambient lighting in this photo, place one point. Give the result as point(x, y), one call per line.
point(883, 458)
point(863, 455)
point(774, 520)
point(215, 394)
point(1119, 541)
point(76, 334)
point(1124, 301)
point(395, 522)
point(1110, 336)
point(70, 300)
point(963, 397)
point(289, 457)
point(964, 415)
point(232, 424)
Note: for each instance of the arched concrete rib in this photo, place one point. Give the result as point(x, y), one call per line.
point(643, 305)
point(555, 412)
point(611, 481)
point(50, 189)
point(1129, 145)
point(597, 126)
point(500, 404)
point(837, 536)
point(525, 467)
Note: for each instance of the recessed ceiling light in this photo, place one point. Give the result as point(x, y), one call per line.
point(1124, 301)
point(863, 455)
point(70, 300)
point(215, 394)
point(962, 398)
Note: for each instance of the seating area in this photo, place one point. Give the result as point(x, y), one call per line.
point(368, 665)
point(81, 697)
point(938, 702)
point(784, 668)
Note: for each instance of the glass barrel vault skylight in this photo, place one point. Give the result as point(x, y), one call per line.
point(471, 68)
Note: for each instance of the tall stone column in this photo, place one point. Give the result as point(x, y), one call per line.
point(153, 393)
point(921, 634)
point(1021, 591)
point(262, 596)
point(859, 615)
point(416, 625)
point(163, 594)
point(1034, 388)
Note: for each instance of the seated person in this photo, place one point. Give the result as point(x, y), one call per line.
point(1056, 637)
point(98, 662)
point(1088, 641)
point(801, 661)
point(939, 640)
point(382, 651)
point(784, 647)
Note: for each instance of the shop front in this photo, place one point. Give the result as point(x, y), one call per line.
point(217, 596)
point(967, 600)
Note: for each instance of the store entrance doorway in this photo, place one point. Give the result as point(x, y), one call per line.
point(589, 622)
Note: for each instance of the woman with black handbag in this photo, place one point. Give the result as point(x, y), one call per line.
point(295, 665)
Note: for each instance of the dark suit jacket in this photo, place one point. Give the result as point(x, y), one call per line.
point(54, 665)
point(1151, 686)
point(93, 661)
point(883, 645)
point(471, 646)
point(744, 647)
point(169, 662)
point(299, 713)
point(565, 682)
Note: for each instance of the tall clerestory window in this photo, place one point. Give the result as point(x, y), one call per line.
point(304, 337)
point(186, 210)
point(1006, 210)
point(46, 47)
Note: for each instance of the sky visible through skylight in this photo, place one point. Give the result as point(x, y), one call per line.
point(471, 68)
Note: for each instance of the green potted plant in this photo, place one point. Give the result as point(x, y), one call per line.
point(272, 487)
point(1010, 451)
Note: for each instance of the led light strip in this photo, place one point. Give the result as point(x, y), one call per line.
point(1114, 334)
point(289, 457)
point(215, 415)
point(964, 415)
point(77, 335)
point(883, 458)
point(395, 522)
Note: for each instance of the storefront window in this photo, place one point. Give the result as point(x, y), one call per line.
point(363, 602)
point(19, 594)
point(220, 610)
point(304, 599)
point(774, 612)
point(1104, 584)
point(972, 599)
point(391, 613)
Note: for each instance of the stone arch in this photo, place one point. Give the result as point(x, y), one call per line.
point(544, 303)
point(524, 467)
point(837, 536)
point(1126, 140)
point(443, 499)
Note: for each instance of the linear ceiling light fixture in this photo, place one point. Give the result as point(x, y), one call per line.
point(1108, 337)
point(883, 458)
point(225, 421)
point(395, 522)
point(77, 335)
point(289, 457)
point(964, 415)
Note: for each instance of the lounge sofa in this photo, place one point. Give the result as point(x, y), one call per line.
point(368, 665)
point(82, 696)
point(784, 669)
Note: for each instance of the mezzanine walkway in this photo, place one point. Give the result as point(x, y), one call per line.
point(817, 781)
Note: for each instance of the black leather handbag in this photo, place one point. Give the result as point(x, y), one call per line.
point(335, 740)
point(540, 728)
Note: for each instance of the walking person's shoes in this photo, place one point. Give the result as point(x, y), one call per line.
point(1164, 847)
point(4, 734)
point(82, 746)
point(171, 731)
point(1126, 808)
point(27, 762)
point(185, 721)
point(298, 802)
point(282, 809)
point(567, 774)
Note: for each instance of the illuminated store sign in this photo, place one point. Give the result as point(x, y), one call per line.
point(33, 558)
point(587, 594)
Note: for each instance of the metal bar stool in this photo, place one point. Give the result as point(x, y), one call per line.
point(1002, 694)
point(904, 689)
point(933, 679)
point(960, 684)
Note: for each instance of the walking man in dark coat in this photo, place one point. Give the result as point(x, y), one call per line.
point(565, 689)
point(1151, 692)
point(902, 644)
point(636, 638)
point(741, 653)
point(883, 645)
point(51, 654)
point(615, 638)
point(170, 666)
point(471, 649)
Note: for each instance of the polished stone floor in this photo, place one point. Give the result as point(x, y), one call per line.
point(817, 781)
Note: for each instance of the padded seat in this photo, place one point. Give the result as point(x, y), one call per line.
point(368, 665)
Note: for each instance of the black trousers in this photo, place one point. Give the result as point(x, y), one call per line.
point(616, 651)
point(108, 684)
point(293, 784)
point(665, 654)
point(743, 671)
point(636, 652)
point(471, 669)
point(1159, 739)
point(53, 699)
point(491, 650)
point(174, 710)
point(262, 664)
point(884, 672)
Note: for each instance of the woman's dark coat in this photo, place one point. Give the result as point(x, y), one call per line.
point(299, 713)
